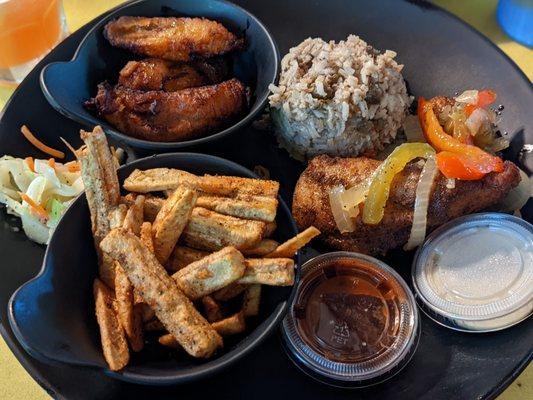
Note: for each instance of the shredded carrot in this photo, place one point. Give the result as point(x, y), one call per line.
point(31, 163)
point(52, 162)
point(40, 145)
point(73, 166)
point(35, 208)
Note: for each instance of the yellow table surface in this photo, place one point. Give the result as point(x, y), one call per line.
point(16, 383)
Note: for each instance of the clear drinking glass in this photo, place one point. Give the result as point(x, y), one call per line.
point(29, 29)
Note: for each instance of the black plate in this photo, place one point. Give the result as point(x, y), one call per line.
point(442, 55)
point(96, 60)
point(52, 315)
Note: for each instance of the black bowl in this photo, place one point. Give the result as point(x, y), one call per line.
point(53, 318)
point(67, 85)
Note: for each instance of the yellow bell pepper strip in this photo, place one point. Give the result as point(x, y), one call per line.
point(379, 189)
point(458, 166)
point(484, 99)
point(478, 160)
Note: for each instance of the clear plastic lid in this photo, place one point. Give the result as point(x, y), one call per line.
point(353, 321)
point(476, 273)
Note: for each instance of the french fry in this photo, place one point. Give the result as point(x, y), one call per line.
point(161, 293)
point(212, 309)
point(270, 228)
point(259, 208)
point(211, 273)
point(160, 179)
point(169, 341)
point(128, 315)
point(268, 271)
point(208, 230)
point(135, 216)
point(152, 204)
point(114, 345)
point(98, 171)
point(264, 247)
point(153, 325)
point(231, 325)
point(291, 246)
point(145, 310)
point(229, 292)
point(117, 216)
point(171, 220)
point(251, 300)
point(146, 236)
point(183, 256)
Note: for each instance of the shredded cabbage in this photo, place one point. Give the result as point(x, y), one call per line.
point(52, 188)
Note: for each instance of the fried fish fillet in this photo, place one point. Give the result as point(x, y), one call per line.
point(170, 116)
point(170, 38)
point(311, 203)
point(157, 74)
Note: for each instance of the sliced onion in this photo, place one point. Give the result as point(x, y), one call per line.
point(413, 130)
point(476, 120)
point(423, 192)
point(517, 197)
point(450, 183)
point(468, 97)
point(342, 218)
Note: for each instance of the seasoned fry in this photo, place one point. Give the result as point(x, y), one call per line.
point(114, 345)
point(269, 271)
point(270, 228)
point(117, 216)
point(160, 179)
point(152, 204)
point(229, 292)
point(259, 208)
point(183, 256)
point(135, 216)
point(291, 246)
point(208, 230)
point(212, 309)
point(146, 236)
point(153, 325)
point(251, 300)
point(128, 315)
point(145, 310)
point(171, 220)
point(264, 247)
point(169, 341)
point(211, 273)
point(161, 293)
point(231, 325)
point(98, 171)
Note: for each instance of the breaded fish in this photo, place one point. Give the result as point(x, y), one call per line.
point(171, 306)
point(170, 38)
point(160, 116)
point(311, 203)
point(158, 74)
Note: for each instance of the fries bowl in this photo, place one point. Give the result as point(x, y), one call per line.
point(52, 315)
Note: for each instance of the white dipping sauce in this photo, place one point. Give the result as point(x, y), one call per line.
point(476, 273)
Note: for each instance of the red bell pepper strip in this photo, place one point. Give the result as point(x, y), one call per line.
point(459, 166)
point(478, 160)
point(484, 99)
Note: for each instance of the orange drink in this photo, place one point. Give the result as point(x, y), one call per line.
point(28, 30)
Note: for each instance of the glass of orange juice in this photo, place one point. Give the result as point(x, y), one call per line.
point(28, 30)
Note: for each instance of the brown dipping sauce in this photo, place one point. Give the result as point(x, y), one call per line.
point(348, 310)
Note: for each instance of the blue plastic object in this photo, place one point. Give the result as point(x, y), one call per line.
point(516, 19)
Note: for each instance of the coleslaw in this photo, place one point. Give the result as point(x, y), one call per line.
point(39, 192)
